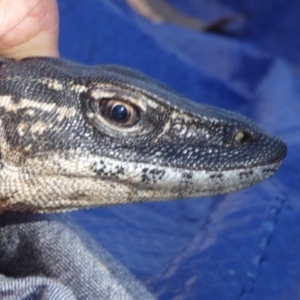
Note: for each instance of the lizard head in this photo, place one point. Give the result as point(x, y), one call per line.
point(77, 136)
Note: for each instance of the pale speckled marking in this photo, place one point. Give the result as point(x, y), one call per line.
point(108, 91)
point(40, 127)
point(52, 84)
point(182, 117)
point(78, 88)
point(28, 148)
point(22, 128)
point(90, 114)
point(7, 103)
point(4, 146)
point(62, 179)
point(58, 192)
point(29, 112)
point(65, 112)
point(181, 124)
point(100, 93)
point(165, 129)
point(61, 111)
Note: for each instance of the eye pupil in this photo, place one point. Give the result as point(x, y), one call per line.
point(119, 113)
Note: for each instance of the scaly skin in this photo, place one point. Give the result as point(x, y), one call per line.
point(76, 136)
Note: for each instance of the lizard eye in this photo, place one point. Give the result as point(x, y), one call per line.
point(119, 112)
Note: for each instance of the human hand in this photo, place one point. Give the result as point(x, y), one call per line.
point(28, 28)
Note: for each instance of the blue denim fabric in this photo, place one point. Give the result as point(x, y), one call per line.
point(49, 257)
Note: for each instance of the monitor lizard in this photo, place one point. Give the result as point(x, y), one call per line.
point(74, 136)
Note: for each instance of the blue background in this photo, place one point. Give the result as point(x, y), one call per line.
point(244, 245)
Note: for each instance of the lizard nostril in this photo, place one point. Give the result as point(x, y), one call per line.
point(242, 137)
